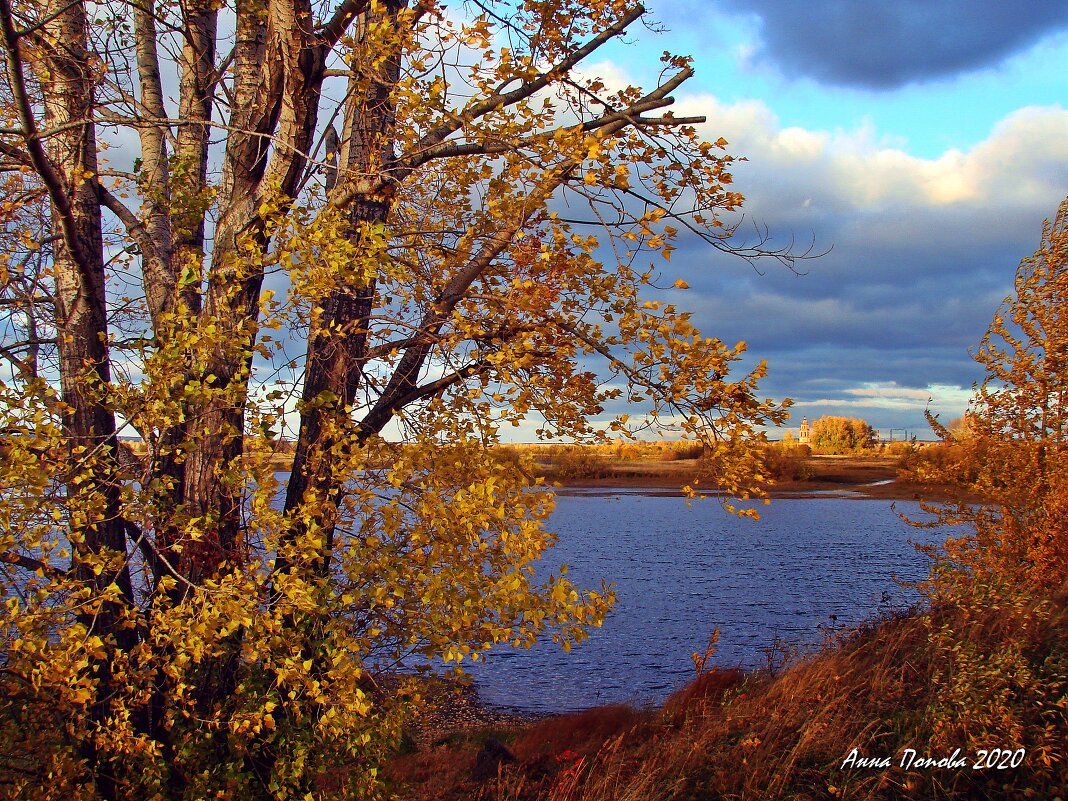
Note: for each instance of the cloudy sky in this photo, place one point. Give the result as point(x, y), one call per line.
point(920, 142)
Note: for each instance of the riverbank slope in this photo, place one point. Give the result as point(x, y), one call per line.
point(873, 716)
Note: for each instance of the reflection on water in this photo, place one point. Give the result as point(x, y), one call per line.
point(681, 571)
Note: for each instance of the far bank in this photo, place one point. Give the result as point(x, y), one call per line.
point(877, 477)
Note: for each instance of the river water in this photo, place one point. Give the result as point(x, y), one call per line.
point(809, 567)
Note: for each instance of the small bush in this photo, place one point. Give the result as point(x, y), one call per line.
point(677, 451)
point(568, 462)
point(901, 448)
point(946, 462)
point(708, 689)
point(786, 462)
point(582, 733)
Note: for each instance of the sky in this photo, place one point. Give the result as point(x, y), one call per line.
point(917, 144)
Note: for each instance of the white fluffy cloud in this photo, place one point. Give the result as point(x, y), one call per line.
point(920, 253)
point(1023, 161)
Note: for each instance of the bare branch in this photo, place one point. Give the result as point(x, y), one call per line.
point(134, 226)
point(345, 13)
point(41, 163)
point(427, 148)
point(29, 563)
point(20, 156)
point(40, 24)
point(435, 388)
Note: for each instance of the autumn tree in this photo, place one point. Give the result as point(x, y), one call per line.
point(1012, 449)
point(841, 434)
point(395, 229)
point(963, 427)
point(996, 629)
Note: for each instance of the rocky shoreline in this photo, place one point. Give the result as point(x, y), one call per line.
point(456, 707)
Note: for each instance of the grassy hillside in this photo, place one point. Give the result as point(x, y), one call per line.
point(838, 725)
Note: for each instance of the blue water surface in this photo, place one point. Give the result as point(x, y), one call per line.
point(808, 567)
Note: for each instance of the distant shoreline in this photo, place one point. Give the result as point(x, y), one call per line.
point(853, 477)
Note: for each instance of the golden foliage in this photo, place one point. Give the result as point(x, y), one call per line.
point(1012, 445)
point(186, 625)
point(999, 658)
point(841, 434)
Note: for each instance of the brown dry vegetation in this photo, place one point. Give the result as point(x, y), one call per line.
point(737, 736)
point(790, 470)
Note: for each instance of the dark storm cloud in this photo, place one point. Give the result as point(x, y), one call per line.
point(884, 44)
point(919, 255)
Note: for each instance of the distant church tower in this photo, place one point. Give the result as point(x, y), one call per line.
point(805, 432)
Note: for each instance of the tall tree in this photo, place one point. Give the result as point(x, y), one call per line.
point(996, 628)
point(382, 223)
point(1013, 452)
point(842, 434)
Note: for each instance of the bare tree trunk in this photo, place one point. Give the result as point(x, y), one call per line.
point(338, 340)
point(196, 91)
point(278, 73)
point(69, 167)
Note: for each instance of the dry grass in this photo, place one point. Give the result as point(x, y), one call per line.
point(773, 736)
point(547, 751)
point(757, 736)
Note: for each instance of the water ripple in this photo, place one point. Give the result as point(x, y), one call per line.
point(808, 566)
